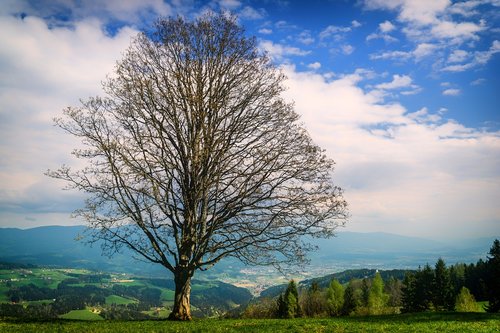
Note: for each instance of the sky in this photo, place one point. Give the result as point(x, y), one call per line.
point(402, 94)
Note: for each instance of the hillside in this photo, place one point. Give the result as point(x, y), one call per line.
point(50, 292)
point(57, 246)
point(343, 277)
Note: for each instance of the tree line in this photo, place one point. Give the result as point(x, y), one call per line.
point(440, 288)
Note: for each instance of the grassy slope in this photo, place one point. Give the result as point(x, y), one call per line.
point(115, 299)
point(81, 315)
point(423, 322)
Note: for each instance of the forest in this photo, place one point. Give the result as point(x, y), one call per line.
point(459, 287)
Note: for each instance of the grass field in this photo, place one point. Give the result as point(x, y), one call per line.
point(118, 300)
point(81, 315)
point(422, 322)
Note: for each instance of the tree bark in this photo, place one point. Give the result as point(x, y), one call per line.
point(182, 304)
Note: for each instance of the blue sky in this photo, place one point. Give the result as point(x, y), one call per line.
point(403, 94)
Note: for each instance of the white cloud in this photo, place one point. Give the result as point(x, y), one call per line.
point(43, 71)
point(305, 38)
point(458, 56)
point(314, 66)
point(478, 82)
point(422, 12)
point(229, 4)
point(408, 172)
point(250, 13)
point(432, 22)
point(386, 26)
point(133, 11)
point(347, 49)
point(337, 33)
point(355, 24)
point(451, 92)
point(387, 38)
point(332, 30)
point(479, 58)
point(457, 32)
point(265, 31)
point(421, 51)
point(398, 81)
point(280, 52)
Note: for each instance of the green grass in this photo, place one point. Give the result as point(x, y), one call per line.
point(81, 315)
point(483, 306)
point(118, 300)
point(167, 295)
point(423, 322)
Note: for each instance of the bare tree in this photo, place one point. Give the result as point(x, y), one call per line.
point(193, 156)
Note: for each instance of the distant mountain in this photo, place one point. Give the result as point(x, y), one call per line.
point(57, 246)
point(389, 251)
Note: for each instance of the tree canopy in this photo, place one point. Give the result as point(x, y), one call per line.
point(193, 155)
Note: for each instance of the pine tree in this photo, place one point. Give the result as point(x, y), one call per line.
point(465, 302)
point(288, 303)
point(281, 307)
point(313, 301)
point(493, 277)
point(352, 297)
point(442, 294)
point(335, 298)
point(424, 289)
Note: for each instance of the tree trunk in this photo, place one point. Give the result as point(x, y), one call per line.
point(182, 304)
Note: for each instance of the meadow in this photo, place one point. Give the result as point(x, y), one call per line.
point(421, 322)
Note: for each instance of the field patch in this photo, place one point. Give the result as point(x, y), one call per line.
point(119, 300)
point(81, 315)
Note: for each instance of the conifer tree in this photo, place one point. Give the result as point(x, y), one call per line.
point(313, 302)
point(409, 293)
point(288, 303)
point(493, 277)
point(442, 295)
point(352, 297)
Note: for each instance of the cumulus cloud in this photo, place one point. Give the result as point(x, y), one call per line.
point(251, 13)
point(347, 49)
point(458, 56)
point(478, 58)
point(45, 70)
point(279, 52)
point(386, 26)
point(314, 66)
point(398, 81)
point(133, 11)
point(338, 32)
point(434, 24)
point(451, 92)
point(405, 170)
point(420, 52)
point(383, 32)
point(305, 38)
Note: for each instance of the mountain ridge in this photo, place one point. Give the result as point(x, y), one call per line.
point(57, 246)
